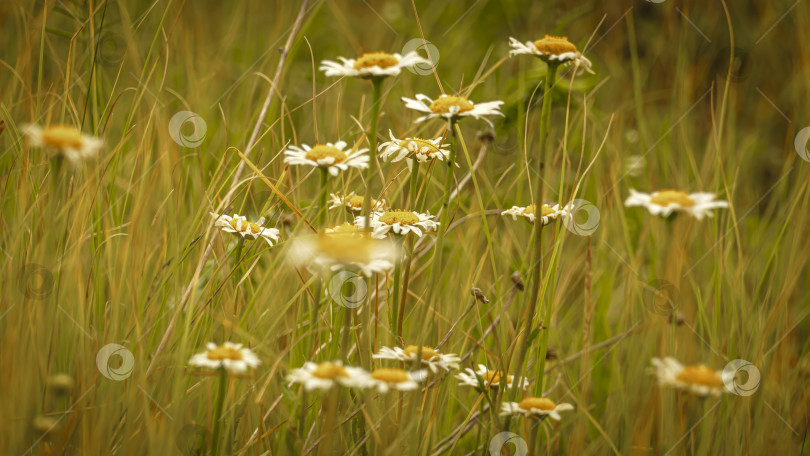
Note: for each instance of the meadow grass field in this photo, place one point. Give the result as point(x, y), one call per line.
point(391, 289)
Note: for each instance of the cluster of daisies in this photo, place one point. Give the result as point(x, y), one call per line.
point(361, 246)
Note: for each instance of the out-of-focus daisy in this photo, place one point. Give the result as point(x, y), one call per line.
point(63, 141)
point(697, 379)
point(452, 106)
point(488, 378)
point(665, 202)
point(333, 157)
point(399, 221)
point(328, 252)
point(372, 65)
point(354, 203)
point(229, 356)
point(549, 213)
point(417, 149)
point(326, 375)
point(535, 407)
point(551, 49)
point(386, 379)
point(240, 225)
point(345, 229)
point(431, 357)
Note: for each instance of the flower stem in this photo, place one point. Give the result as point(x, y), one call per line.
point(323, 212)
point(445, 217)
point(537, 260)
point(376, 101)
point(406, 275)
point(223, 382)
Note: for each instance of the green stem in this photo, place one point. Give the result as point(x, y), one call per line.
point(406, 275)
point(223, 382)
point(445, 217)
point(323, 212)
point(372, 142)
point(537, 259)
point(395, 296)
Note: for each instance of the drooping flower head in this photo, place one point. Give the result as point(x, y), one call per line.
point(552, 49)
point(697, 379)
point(411, 149)
point(548, 214)
point(229, 356)
point(354, 203)
point(333, 157)
point(665, 202)
point(432, 358)
point(63, 141)
point(538, 407)
point(336, 250)
point(488, 378)
point(241, 226)
point(452, 106)
point(324, 376)
point(372, 65)
point(398, 221)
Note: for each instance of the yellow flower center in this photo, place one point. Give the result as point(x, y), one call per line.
point(399, 216)
point(390, 375)
point(443, 104)
point(245, 226)
point(345, 249)
point(62, 136)
point(329, 371)
point(420, 144)
point(545, 211)
point(495, 377)
point(223, 352)
point(700, 375)
point(344, 228)
point(554, 45)
point(427, 352)
point(378, 59)
point(321, 151)
point(540, 403)
point(667, 197)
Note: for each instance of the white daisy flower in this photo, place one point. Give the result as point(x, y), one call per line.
point(417, 149)
point(324, 376)
point(229, 356)
point(486, 377)
point(549, 213)
point(452, 106)
point(698, 379)
point(431, 357)
point(665, 202)
point(399, 221)
point(354, 203)
point(372, 65)
point(535, 407)
point(240, 225)
point(333, 157)
point(64, 141)
point(552, 49)
point(345, 229)
point(386, 379)
point(331, 252)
